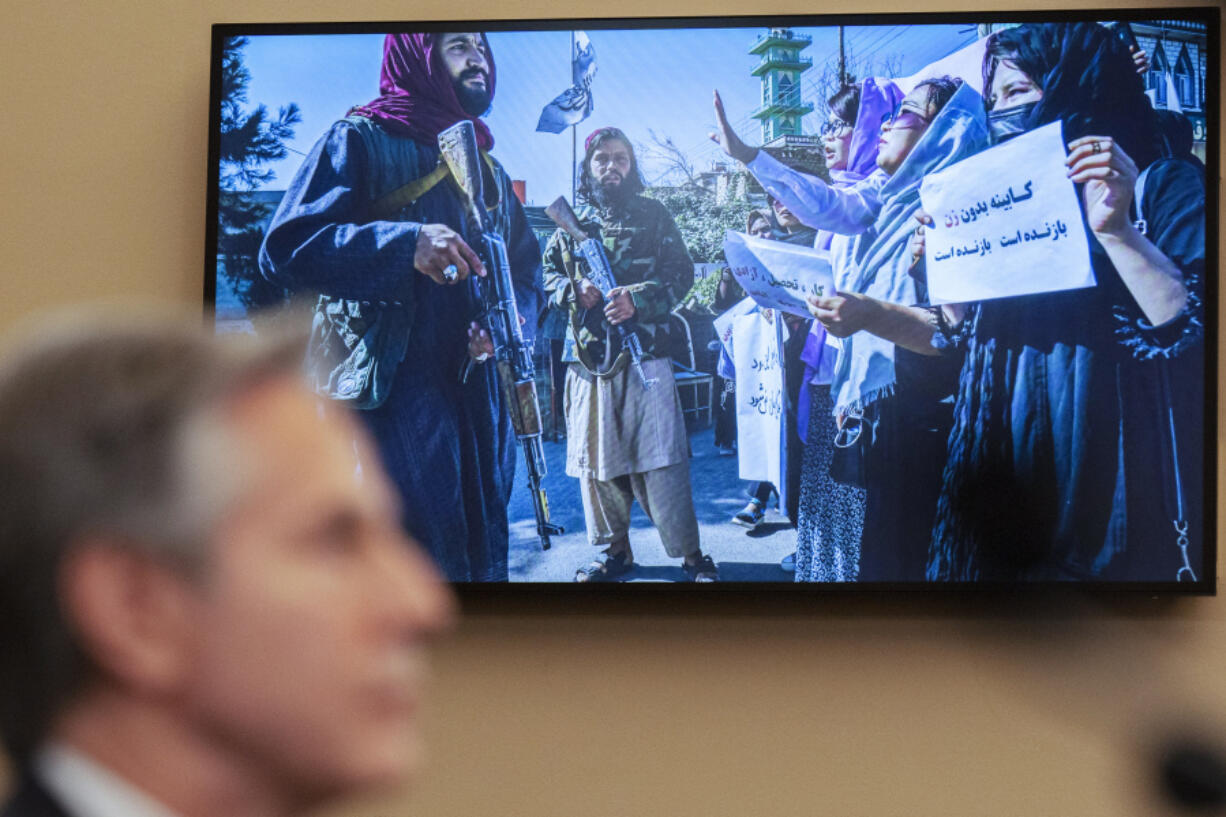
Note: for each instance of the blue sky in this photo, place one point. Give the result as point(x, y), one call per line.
point(647, 80)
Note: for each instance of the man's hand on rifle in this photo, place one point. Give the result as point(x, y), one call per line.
point(480, 344)
point(443, 256)
point(620, 307)
point(587, 295)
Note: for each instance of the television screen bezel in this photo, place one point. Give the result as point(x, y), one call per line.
point(497, 593)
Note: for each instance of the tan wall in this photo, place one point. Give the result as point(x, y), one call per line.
point(842, 706)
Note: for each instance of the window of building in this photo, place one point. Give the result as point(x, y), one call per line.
point(1185, 79)
point(786, 91)
point(1155, 80)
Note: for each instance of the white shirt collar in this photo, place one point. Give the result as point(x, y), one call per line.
point(84, 788)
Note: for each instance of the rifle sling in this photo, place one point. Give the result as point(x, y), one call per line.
point(403, 196)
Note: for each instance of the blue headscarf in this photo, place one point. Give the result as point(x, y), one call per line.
point(865, 369)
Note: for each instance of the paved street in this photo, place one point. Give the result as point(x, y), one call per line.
point(718, 494)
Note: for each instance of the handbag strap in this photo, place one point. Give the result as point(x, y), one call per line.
point(1173, 493)
point(1138, 201)
point(1174, 498)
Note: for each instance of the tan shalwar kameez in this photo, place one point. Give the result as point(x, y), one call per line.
point(624, 442)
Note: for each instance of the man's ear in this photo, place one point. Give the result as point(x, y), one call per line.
point(133, 615)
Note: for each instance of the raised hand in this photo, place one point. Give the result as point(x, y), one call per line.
point(726, 137)
point(1140, 58)
point(1109, 175)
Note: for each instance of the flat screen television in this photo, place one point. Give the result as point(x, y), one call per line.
point(890, 318)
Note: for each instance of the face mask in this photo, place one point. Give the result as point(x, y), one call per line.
point(1004, 125)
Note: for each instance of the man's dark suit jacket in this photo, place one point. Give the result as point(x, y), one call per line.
point(31, 800)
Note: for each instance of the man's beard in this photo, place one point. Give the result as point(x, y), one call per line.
point(611, 196)
point(474, 101)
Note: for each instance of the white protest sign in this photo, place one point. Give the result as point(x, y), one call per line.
point(776, 274)
point(759, 398)
point(1006, 222)
point(723, 328)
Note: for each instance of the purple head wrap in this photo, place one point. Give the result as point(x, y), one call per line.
point(416, 95)
point(876, 100)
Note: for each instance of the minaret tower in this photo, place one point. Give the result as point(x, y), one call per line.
point(780, 69)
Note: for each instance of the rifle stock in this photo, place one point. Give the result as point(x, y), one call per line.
point(564, 216)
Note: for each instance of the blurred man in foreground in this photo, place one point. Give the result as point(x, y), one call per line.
point(205, 608)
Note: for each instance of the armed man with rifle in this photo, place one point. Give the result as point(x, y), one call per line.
point(377, 226)
point(618, 268)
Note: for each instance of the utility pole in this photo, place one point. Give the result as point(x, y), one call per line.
point(574, 140)
point(842, 60)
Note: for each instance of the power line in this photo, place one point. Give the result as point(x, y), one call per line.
point(861, 41)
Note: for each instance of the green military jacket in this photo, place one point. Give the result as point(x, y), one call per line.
point(648, 257)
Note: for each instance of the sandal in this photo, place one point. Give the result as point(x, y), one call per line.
point(604, 567)
point(704, 570)
point(750, 516)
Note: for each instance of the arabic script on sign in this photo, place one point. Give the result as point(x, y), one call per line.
point(778, 275)
point(759, 399)
point(1006, 222)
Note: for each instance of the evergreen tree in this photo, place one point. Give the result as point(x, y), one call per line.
point(249, 140)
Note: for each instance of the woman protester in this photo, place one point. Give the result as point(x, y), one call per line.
point(759, 225)
point(831, 482)
point(831, 505)
point(885, 393)
point(886, 373)
point(1078, 415)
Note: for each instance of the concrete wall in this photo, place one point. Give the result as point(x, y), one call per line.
point(841, 706)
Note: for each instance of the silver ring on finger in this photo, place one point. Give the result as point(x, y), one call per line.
point(451, 273)
point(1097, 148)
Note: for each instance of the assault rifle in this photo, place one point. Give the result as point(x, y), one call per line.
point(600, 273)
point(499, 315)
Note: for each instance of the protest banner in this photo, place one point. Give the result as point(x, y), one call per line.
point(724, 331)
point(1006, 222)
point(778, 275)
point(759, 398)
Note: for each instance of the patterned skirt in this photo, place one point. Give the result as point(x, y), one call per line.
point(831, 514)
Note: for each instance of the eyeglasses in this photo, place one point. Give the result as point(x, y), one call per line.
point(903, 118)
point(835, 127)
point(849, 428)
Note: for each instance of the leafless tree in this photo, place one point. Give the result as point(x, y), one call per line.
point(858, 66)
point(677, 169)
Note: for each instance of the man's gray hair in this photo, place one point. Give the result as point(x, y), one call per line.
point(99, 419)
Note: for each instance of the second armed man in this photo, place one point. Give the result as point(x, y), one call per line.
point(625, 441)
